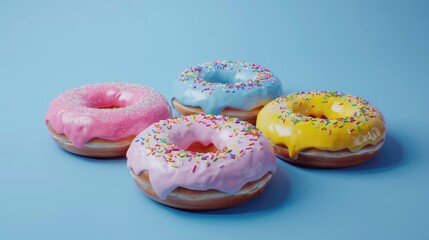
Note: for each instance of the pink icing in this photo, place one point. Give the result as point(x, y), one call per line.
point(244, 154)
point(83, 113)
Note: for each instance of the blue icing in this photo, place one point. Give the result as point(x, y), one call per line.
point(214, 86)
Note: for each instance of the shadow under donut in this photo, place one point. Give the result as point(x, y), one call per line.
point(389, 157)
point(272, 198)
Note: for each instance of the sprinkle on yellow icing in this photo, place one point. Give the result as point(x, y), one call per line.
point(324, 120)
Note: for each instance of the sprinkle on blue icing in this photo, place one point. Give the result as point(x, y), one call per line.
point(216, 85)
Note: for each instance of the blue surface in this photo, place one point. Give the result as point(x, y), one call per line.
point(374, 49)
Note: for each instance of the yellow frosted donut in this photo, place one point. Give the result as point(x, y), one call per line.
point(323, 129)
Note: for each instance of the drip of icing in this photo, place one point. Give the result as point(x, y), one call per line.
point(324, 120)
point(214, 86)
point(108, 111)
point(244, 154)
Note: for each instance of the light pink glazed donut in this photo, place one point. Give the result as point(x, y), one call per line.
point(201, 162)
point(100, 120)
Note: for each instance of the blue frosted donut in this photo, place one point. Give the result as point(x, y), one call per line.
point(214, 86)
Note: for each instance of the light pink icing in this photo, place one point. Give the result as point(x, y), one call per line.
point(82, 113)
point(244, 154)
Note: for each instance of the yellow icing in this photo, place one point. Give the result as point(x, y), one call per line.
point(298, 122)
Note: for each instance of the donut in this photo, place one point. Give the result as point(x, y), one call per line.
point(101, 120)
point(232, 88)
point(323, 129)
point(201, 162)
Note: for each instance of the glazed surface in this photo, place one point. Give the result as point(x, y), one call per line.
point(243, 155)
point(214, 86)
point(323, 120)
point(108, 111)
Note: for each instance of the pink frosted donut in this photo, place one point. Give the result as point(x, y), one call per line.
point(100, 120)
point(201, 162)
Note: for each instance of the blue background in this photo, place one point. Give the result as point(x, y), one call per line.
point(374, 49)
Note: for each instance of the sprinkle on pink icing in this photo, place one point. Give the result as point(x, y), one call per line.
point(244, 154)
point(83, 113)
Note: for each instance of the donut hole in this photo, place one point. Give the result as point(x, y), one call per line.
point(200, 138)
point(110, 100)
point(314, 116)
point(323, 108)
point(228, 76)
point(314, 112)
point(107, 107)
point(199, 147)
